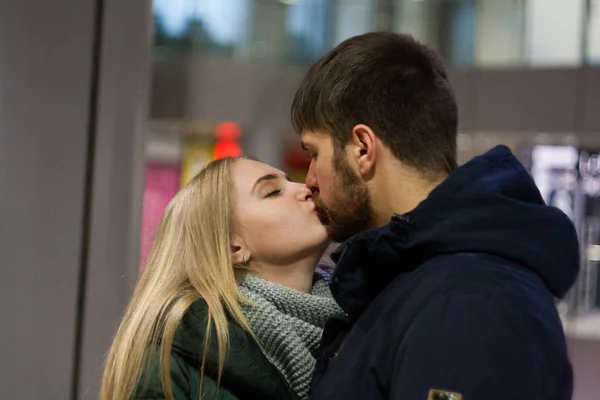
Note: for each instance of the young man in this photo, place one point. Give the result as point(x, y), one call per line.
point(448, 275)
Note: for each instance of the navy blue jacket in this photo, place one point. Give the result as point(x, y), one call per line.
point(456, 296)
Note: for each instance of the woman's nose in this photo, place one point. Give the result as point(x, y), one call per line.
point(304, 193)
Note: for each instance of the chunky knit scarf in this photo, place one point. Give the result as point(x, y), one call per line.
point(289, 325)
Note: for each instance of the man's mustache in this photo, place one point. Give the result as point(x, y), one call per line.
point(318, 203)
point(321, 209)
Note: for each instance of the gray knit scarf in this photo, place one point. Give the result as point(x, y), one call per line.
point(289, 325)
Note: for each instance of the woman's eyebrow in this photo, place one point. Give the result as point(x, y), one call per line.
point(268, 177)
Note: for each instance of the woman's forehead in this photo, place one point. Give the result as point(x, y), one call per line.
point(247, 172)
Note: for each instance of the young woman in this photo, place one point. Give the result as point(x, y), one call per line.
point(229, 305)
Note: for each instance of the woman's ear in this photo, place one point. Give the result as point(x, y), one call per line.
point(236, 253)
point(239, 252)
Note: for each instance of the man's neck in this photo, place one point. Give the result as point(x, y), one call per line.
point(400, 191)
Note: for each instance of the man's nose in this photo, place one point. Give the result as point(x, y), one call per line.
point(311, 180)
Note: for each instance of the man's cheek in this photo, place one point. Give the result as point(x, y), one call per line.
point(323, 177)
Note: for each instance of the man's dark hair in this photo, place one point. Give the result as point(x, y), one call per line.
point(391, 83)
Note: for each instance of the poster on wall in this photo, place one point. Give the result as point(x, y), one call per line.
point(160, 185)
point(196, 154)
point(199, 151)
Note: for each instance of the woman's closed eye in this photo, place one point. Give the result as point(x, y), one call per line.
point(273, 193)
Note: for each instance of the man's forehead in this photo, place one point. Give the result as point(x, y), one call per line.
point(312, 138)
point(248, 171)
point(304, 140)
point(304, 136)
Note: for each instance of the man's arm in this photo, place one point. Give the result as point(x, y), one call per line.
point(468, 347)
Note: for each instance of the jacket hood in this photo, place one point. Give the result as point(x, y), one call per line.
point(489, 205)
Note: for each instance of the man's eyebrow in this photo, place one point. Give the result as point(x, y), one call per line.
point(305, 147)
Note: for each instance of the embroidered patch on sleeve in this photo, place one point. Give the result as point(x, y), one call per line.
point(435, 394)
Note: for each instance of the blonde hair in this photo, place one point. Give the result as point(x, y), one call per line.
point(191, 259)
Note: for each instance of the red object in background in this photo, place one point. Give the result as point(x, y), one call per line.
point(226, 149)
point(227, 134)
point(296, 163)
point(297, 158)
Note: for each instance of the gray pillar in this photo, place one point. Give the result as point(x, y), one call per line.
point(72, 96)
point(122, 119)
point(45, 78)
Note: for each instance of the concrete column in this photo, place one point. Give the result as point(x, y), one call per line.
point(73, 81)
point(119, 164)
point(46, 74)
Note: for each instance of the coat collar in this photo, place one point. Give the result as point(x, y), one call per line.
point(490, 205)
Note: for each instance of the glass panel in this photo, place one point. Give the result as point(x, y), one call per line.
point(554, 32)
point(418, 18)
point(457, 35)
point(308, 30)
point(203, 25)
point(483, 33)
point(500, 33)
point(171, 20)
point(351, 18)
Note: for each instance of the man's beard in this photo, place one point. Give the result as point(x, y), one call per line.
point(350, 210)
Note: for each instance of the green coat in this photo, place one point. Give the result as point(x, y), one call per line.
point(247, 373)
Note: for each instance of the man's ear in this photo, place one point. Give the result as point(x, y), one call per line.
point(364, 148)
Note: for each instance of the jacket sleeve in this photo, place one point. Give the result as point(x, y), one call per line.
point(185, 383)
point(150, 387)
point(467, 347)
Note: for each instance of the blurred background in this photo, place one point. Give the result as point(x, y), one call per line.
point(107, 107)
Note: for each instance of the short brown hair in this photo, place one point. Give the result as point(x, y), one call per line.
point(391, 83)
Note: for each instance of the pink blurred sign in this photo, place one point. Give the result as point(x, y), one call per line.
point(160, 185)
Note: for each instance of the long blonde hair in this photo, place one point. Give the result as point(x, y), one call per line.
point(191, 259)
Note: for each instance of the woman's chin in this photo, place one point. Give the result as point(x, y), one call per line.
point(324, 236)
point(324, 245)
